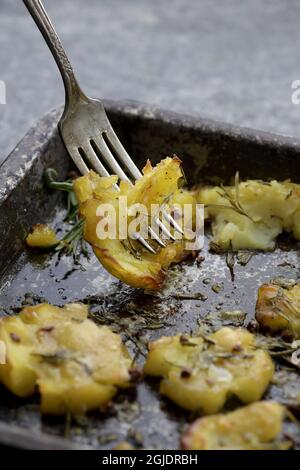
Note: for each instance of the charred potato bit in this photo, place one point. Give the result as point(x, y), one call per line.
point(253, 427)
point(252, 214)
point(200, 374)
point(41, 236)
point(75, 365)
point(126, 260)
point(278, 309)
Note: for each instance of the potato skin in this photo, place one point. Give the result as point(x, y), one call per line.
point(278, 309)
point(252, 427)
point(200, 374)
point(75, 365)
point(146, 271)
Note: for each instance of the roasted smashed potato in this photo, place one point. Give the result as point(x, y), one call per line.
point(75, 365)
point(253, 427)
point(122, 258)
point(200, 374)
point(278, 309)
point(252, 214)
point(41, 236)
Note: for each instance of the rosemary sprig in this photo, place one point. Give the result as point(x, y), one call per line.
point(72, 243)
point(235, 202)
point(230, 260)
point(50, 176)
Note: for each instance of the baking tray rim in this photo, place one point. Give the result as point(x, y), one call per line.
point(42, 131)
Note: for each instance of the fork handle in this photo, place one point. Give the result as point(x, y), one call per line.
point(42, 20)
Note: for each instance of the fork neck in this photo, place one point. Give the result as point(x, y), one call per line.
point(43, 22)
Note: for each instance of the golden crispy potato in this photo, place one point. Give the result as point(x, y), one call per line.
point(41, 236)
point(253, 427)
point(202, 373)
point(75, 365)
point(278, 309)
point(127, 261)
point(252, 213)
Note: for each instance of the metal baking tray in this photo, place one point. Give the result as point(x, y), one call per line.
point(210, 151)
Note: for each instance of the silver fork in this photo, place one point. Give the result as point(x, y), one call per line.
point(86, 130)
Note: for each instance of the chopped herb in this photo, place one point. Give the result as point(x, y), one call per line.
point(196, 296)
point(286, 264)
point(215, 248)
point(46, 329)
point(107, 438)
point(284, 283)
point(217, 288)
point(234, 316)
point(230, 260)
point(185, 341)
point(54, 359)
point(243, 257)
point(289, 194)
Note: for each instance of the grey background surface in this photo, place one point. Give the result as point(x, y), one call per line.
point(230, 60)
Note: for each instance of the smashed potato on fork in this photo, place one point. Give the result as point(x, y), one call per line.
point(76, 365)
point(157, 185)
point(201, 373)
point(278, 309)
point(253, 427)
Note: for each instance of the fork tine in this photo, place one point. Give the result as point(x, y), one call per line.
point(109, 158)
point(135, 172)
point(78, 160)
point(172, 221)
point(94, 160)
point(89, 153)
point(164, 229)
point(122, 154)
point(97, 148)
point(138, 237)
point(118, 147)
point(156, 238)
